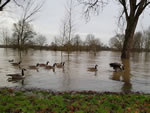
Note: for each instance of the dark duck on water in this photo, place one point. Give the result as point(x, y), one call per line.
point(117, 66)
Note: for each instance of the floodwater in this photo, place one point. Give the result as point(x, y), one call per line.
point(75, 74)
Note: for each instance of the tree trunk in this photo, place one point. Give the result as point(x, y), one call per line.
point(129, 33)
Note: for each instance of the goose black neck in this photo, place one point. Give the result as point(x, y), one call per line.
point(54, 65)
point(96, 67)
point(22, 72)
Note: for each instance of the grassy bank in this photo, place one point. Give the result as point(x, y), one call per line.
point(35, 101)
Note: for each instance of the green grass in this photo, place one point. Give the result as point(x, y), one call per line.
point(35, 101)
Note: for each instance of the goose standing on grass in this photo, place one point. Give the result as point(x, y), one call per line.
point(50, 67)
point(117, 66)
point(93, 69)
point(16, 64)
point(17, 76)
point(60, 65)
point(43, 65)
point(34, 67)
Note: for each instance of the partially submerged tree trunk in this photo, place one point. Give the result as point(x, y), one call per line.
point(129, 34)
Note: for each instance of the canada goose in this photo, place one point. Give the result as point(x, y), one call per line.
point(17, 76)
point(93, 69)
point(117, 66)
point(34, 67)
point(60, 65)
point(50, 67)
point(43, 65)
point(16, 64)
point(12, 60)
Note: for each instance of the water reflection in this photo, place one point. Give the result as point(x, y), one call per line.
point(127, 86)
point(75, 75)
point(124, 76)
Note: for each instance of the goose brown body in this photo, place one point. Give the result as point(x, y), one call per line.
point(93, 69)
point(60, 65)
point(34, 66)
point(17, 75)
point(12, 60)
point(43, 65)
point(50, 67)
point(16, 64)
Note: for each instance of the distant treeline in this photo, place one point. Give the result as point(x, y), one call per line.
point(30, 39)
point(60, 48)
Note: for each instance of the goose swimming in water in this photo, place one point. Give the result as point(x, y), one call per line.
point(60, 65)
point(17, 76)
point(34, 67)
point(12, 60)
point(117, 66)
point(93, 69)
point(50, 67)
point(16, 64)
point(43, 65)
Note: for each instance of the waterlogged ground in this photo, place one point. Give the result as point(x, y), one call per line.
point(75, 76)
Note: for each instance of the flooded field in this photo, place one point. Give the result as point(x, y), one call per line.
point(75, 74)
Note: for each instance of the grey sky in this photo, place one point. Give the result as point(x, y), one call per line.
point(103, 26)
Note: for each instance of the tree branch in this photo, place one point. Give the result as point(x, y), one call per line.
point(4, 4)
point(141, 6)
point(123, 3)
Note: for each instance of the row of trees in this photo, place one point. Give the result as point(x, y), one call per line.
point(91, 43)
point(23, 33)
point(141, 41)
point(29, 38)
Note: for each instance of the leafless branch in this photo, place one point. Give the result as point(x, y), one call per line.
point(92, 7)
point(4, 4)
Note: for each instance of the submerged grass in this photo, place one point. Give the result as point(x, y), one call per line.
point(34, 101)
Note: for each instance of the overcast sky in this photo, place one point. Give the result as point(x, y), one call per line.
point(103, 26)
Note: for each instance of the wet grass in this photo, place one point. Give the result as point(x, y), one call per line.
point(34, 101)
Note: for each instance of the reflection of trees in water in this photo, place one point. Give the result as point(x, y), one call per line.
point(66, 81)
point(116, 76)
point(147, 57)
point(92, 58)
point(77, 60)
point(95, 73)
point(136, 56)
point(124, 76)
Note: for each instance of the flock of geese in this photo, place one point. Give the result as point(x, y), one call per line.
point(17, 76)
point(20, 76)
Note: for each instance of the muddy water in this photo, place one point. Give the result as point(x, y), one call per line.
point(75, 74)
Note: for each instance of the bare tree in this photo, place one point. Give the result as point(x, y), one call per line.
point(76, 41)
point(55, 43)
point(63, 32)
point(40, 40)
point(138, 41)
point(131, 10)
point(5, 37)
point(28, 34)
point(117, 41)
point(147, 40)
point(68, 23)
point(29, 9)
point(92, 42)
